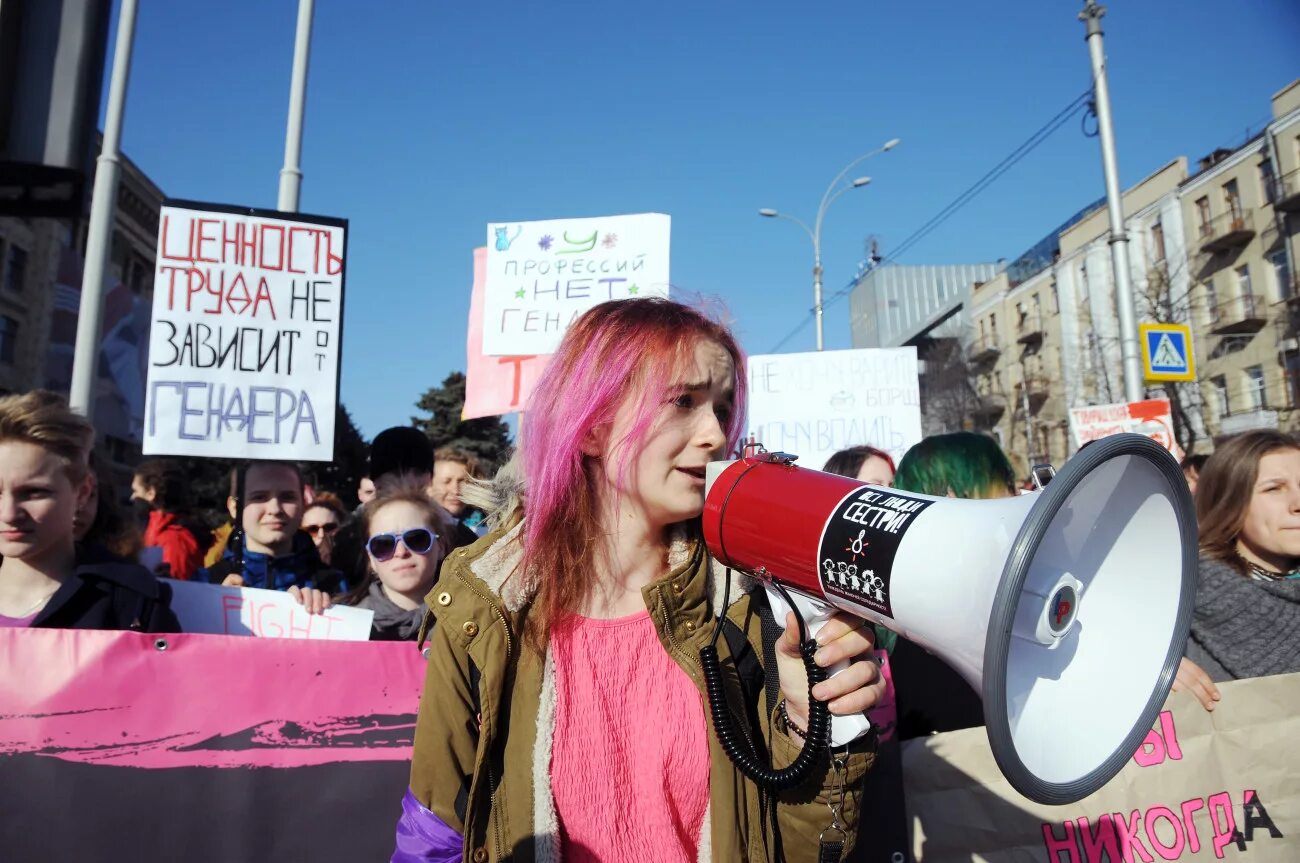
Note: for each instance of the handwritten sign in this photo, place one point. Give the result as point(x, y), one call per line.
point(219, 610)
point(1202, 786)
point(1150, 418)
point(542, 275)
point(815, 404)
point(244, 344)
point(493, 385)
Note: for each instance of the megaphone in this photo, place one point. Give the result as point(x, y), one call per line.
point(1067, 608)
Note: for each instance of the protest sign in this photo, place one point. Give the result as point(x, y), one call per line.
point(1150, 418)
point(494, 385)
point(130, 746)
point(1202, 786)
point(542, 275)
point(245, 341)
point(221, 610)
point(814, 404)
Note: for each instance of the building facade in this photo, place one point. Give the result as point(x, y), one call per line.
point(41, 263)
point(1240, 213)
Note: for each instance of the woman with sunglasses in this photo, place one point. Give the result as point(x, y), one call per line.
point(564, 714)
point(322, 520)
point(404, 549)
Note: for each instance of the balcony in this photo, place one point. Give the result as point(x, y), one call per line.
point(984, 351)
point(1244, 314)
point(1037, 388)
point(989, 407)
point(1286, 192)
point(1230, 230)
point(1029, 331)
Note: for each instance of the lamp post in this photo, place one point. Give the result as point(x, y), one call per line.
point(833, 191)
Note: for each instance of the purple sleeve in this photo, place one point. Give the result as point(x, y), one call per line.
point(423, 837)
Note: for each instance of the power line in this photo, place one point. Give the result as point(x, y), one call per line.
point(1008, 162)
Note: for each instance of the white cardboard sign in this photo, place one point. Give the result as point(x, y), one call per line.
point(244, 342)
point(218, 610)
point(815, 404)
point(542, 275)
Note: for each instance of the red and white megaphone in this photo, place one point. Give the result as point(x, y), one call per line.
point(1068, 608)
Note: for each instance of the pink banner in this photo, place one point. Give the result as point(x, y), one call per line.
point(493, 385)
point(128, 699)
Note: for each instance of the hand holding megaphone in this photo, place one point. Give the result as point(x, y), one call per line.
point(847, 638)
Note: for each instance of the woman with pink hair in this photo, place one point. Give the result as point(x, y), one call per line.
point(564, 713)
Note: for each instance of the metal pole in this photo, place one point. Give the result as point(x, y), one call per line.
point(1134, 388)
point(103, 205)
point(291, 173)
point(817, 288)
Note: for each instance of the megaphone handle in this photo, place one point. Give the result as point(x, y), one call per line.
point(844, 729)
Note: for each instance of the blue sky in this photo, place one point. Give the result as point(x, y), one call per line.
point(427, 120)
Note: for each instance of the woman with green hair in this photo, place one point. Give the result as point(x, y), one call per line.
point(931, 697)
point(960, 464)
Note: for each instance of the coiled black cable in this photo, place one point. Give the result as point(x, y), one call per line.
point(738, 749)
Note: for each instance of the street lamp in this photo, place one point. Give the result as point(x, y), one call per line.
point(833, 191)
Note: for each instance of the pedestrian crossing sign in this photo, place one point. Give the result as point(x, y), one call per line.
point(1167, 352)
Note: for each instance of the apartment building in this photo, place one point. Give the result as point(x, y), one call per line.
point(1044, 335)
point(41, 264)
point(1240, 211)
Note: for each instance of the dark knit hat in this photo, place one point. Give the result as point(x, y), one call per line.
point(400, 449)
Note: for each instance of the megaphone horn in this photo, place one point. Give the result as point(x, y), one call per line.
point(1067, 609)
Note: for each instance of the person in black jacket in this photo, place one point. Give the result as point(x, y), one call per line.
point(45, 579)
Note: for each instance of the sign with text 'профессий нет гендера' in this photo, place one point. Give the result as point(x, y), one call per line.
point(245, 339)
point(817, 403)
point(542, 275)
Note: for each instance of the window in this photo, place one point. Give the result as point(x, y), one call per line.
point(1083, 282)
point(1157, 242)
point(1211, 301)
point(1203, 215)
point(1282, 276)
point(1038, 309)
point(15, 269)
point(1255, 388)
point(1220, 385)
point(1292, 379)
point(8, 339)
point(1243, 285)
point(993, 326)
point(1232, 198)
point(1056, 298)
point(1267, 182)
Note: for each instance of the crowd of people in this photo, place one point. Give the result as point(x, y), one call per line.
point(573, 588)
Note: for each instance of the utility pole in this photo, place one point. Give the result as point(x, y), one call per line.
point(1134, 388)
point(103, 204)
point(291, 173)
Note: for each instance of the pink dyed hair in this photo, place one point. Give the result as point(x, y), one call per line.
point(617, 350)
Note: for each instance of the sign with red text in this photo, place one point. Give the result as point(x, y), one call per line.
point(1202, 786)
point(542, 275)
point(494, 385)
point(245, 338)
point(1150, 418)
point(219, 610)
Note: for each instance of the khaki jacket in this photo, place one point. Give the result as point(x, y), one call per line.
point(483, 739)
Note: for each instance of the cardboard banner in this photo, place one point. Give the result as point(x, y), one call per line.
point(542, 275)
point(126, 746)
point(219, 610)
point(1150, 418)
point(245, 341)
point(815, 404)
point(494, 385)
point(1203, 786)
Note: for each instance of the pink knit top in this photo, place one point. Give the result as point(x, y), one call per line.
point(630, 756)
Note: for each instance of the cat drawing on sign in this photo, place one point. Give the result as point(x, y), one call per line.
point(504, 241)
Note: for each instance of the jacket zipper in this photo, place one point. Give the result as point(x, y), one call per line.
point(494, 815)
